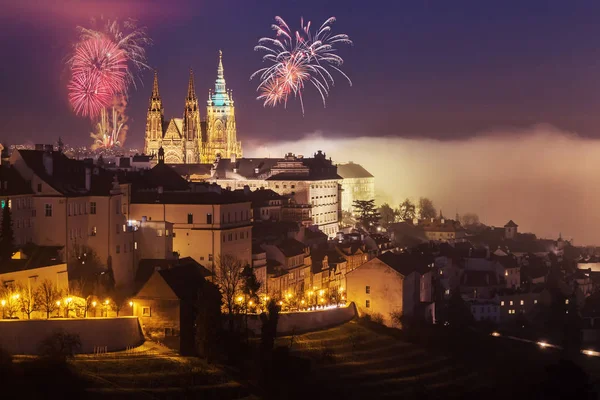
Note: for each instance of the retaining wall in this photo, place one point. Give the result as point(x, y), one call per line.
point(24, 336)
point(307, 321)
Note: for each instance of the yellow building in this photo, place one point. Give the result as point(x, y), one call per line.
point(187, 140)
point(77, 205)
point(205, 225)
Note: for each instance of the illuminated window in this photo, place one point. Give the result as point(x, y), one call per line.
point(135, 245)
point(124, 228)
point(94, 231)
point(567, 301)
point(511, 303)
point(502, 303)
point(535, 302)
point(522, 302)
point(159, 232)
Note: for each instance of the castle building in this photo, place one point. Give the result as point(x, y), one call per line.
point(189, 140)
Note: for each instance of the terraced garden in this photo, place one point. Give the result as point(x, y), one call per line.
point(359, 362)
point(153, 372)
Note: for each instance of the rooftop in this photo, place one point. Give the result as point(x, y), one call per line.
point(352, 170)
point(11, 182)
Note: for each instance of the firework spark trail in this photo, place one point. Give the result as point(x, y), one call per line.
point(297, 59)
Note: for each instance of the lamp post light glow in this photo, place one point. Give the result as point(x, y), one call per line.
point(3, 302)
point(94, 304)
point(131, 304)
point(240, 299)
point(58, 303)
point(250, 303)
point(16, 296)
point(106, 301)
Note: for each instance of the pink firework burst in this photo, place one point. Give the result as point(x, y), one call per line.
point(87, 94)
point(99, 71)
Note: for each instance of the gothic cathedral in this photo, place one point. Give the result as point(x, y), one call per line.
point(189, 140)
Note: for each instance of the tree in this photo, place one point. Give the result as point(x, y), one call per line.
point(47, 295)
point(367, 213)
point(229, 278)
point(250, 285)
point(208, 319)
point(426, 208)
point(388, 215)
point(407, 210)
point(458, 312)
point(27, 300)
point(268, 330)
point(9, 296)
point(7, 237)
point(469, 219)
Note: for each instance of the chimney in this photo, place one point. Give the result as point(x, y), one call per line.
point(88, 178)
point(48, 162)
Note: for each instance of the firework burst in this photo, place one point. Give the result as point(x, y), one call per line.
point(105, 62)
point(298, 59)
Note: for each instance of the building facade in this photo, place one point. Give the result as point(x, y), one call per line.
point(188, 140)
point(357, 184)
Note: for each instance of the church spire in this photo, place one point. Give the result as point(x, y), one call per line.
point(220, 74)
point(155, 93)
point(191, 89)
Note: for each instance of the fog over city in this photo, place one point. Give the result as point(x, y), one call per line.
point(543, 178)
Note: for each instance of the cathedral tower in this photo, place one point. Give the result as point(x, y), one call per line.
point(221, 135)
point(154, 120)
point(191, 124)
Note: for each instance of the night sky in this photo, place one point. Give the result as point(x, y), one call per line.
point(422, 69)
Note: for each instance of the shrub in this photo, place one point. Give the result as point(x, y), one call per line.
point(59, 346)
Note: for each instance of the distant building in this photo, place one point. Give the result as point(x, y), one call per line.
point(442, 229)
point(357, 184)
point(311, 184)
point(510, 230)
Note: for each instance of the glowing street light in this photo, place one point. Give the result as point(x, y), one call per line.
point(250, 303)
point(240, 299)
point(543, 344)
point(3, 302)
point(16, 296)
point(94, 304)
point(69, 299)
point(58, 303)
point(106, 301)
point(280, 302)
point(495, 334)
point(131, 304)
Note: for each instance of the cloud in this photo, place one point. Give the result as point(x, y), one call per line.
point(545, 179)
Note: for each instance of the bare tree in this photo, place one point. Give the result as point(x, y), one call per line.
point(426, 208)
point(9, 297)
point(469, 219)
point(407, 210)
point(27, 300)
point(47, 295)
point(229, 278)
point(80, 288)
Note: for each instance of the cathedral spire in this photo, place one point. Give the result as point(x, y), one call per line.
point(220, 74)
point(191, 89)
point(155, 93)
point(220, 97)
